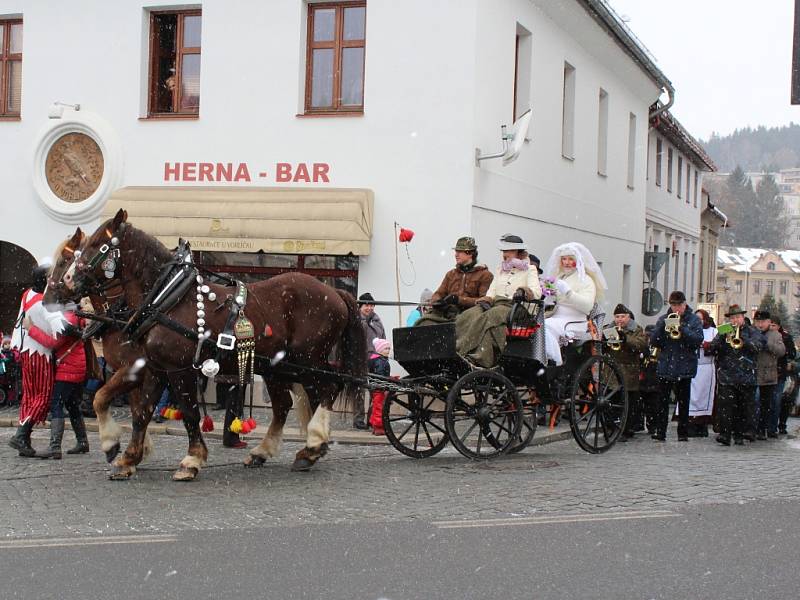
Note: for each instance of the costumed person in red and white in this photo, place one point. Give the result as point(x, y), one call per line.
point(37, 370)
point(69, 354)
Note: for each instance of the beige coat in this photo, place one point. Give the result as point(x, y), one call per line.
point(505, 284)
point(582, 294)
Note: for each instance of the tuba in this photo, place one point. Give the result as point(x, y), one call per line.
point(735, 339)
point(672, 326)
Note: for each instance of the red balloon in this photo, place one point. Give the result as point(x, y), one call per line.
point(406, 235)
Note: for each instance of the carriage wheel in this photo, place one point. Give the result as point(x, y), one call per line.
point(414, 423)
point(484, 414)
point(527, 431)
point(599, 405)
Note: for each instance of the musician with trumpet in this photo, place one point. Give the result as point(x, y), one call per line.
point(678, 335)
point(736, 347)
point(626, 343)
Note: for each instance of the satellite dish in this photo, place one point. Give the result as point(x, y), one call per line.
point(513, 139)
point(652, 302)
point(516, 137)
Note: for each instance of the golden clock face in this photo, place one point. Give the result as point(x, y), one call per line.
point(74, 167)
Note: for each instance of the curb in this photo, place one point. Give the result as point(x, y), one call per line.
point(338, 436)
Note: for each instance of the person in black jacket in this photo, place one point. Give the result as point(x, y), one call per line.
point(782, 404)
point(736, 376)
point(677, 364)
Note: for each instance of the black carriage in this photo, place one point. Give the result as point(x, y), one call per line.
point(489, 412)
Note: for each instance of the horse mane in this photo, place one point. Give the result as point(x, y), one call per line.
point(153, 254)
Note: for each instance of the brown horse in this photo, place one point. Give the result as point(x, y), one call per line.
point(291, 313)
point(130, 375)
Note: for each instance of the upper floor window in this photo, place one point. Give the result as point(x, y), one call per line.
point(770, 266)
point(669, 170)
point(10, 68)
point(680, 177)
point(174, 63)
point(784, 287)
point(659, 149)
point(568, 113)
point(335, 57)
point(756, 286)
point(737, 285)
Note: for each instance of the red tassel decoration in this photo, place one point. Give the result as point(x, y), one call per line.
point(252, 422)
point(406, 235)
point(207, 425)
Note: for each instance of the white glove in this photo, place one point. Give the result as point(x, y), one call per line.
point(562, 287)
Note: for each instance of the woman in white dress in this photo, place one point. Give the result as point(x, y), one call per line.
point(704, 384)
point(580, 284)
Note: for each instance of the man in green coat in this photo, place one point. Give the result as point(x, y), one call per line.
point(627, 353)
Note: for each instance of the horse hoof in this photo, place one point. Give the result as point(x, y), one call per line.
point(121, 473)
point(185, 474)
point(112, 452)
point(302, 464)
point(254, 460)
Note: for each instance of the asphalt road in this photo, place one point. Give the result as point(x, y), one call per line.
point(645, 520)
point(725, 551)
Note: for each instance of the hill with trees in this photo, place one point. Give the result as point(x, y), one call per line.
point(762, 148)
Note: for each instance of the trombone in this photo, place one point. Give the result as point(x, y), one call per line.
point(672, 325)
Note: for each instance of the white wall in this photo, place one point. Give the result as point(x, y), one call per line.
point(543, 196)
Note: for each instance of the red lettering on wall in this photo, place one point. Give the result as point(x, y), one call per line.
point(206, 172)
point(283, 172)
point(302, 173)
point(242, 174)
point(224, 172)
point(172, 171)
point(321, 172)
point(189, 170)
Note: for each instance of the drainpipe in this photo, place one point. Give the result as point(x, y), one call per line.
point(671, 100)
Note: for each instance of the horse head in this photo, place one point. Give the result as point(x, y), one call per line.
point(99, 260)
point(58, 290)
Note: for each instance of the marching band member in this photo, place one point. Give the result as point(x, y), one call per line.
point(704, 384)
point(580, 284)
point(461, 287)
point(678, 335)
point(767, 375)
point(627, 354)
point(736, 347)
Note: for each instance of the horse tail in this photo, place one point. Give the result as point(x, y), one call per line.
point(353, 352)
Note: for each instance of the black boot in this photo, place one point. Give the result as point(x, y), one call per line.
point(56, 434)
point(22, 440)
point(79, 428)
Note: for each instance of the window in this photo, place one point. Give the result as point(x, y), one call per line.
point(680, 178)
point(689, 182)
point(568, 113)
point(756, 286)
point(784, 287)
point(335, 50)
point(10, 68)
point(522, 71)
point(174, 63)
point(669, 170)
point(658, 161)
point(626, 285)
point(771, 287)
point(602, 133)
point(696, 186)
point(685, 272)
point(737, 285)
point(694, 261)
point(631, 149)
point(770, 266)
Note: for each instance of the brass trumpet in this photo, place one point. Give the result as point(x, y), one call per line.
point(652, 357)
point(614, 338)
point(672, 326)
point(735, 339)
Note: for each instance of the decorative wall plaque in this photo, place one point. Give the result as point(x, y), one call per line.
point(74, 167)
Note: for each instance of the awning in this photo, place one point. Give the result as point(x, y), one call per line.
point(233, 219)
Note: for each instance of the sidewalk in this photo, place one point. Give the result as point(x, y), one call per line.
point(341, 431)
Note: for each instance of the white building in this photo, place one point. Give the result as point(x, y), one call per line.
point(676, 164)
point(312, 129)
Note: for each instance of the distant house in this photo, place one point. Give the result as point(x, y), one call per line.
point(746, 275)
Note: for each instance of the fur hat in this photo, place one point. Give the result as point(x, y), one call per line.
point(381, 346)
point(621, 309)
point(365, 298)
point(761, 315)
point(425, 296)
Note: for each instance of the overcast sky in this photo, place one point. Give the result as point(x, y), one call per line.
point(729, 60)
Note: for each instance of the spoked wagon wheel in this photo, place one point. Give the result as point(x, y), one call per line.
point(529, 422)
point(414, 423)
point(599, 405)
point(484, 414)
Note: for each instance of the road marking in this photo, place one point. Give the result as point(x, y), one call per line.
point(88, 541)
point(548, 519)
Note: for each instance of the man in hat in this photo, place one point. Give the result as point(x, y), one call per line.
point(461, 287)
point(736, 348)
point(782, 404)
point(677, 363)
point(373, 328)
point(767, 375)
point(628, 356)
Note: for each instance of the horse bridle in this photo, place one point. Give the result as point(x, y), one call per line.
point(107, 258)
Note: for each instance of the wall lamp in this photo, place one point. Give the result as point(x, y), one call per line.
point(56, 110)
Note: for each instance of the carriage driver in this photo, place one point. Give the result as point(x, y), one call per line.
point(461, 286)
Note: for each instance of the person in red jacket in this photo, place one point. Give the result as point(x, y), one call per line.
point(70, 358)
